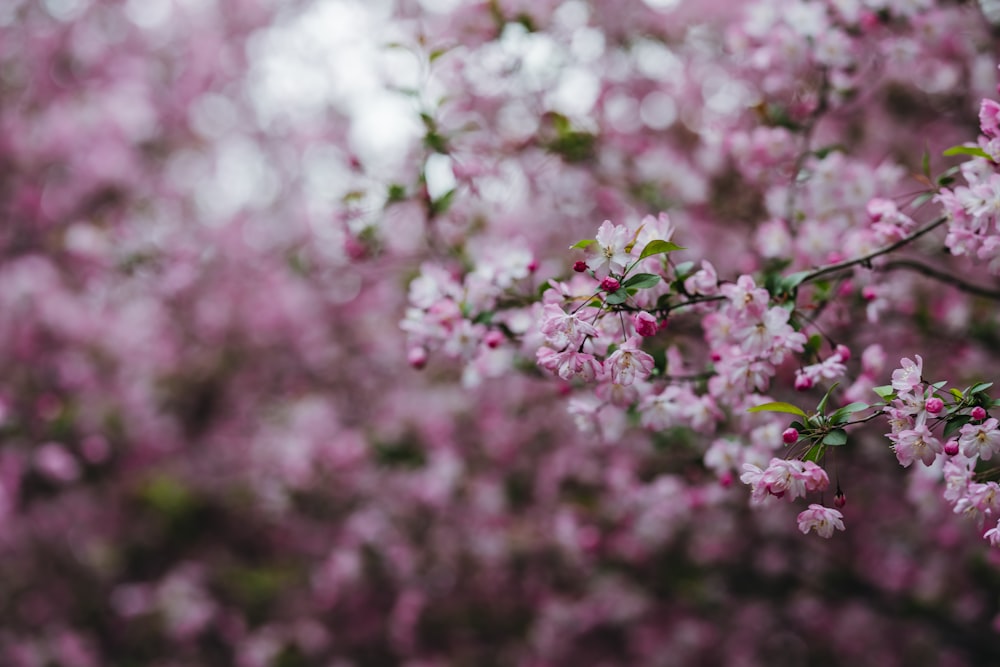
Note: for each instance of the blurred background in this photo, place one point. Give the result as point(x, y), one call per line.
point(214, 447)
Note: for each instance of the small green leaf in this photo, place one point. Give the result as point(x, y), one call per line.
point(956, 392)
point(788, 283)
point(967, 150)
point(683, 270)
point(836, 437)
point(658, 247)
point(443, 203)
point(925, 162)
point(826, 397)
point(642, 280)
point(813, 345)
point(585, 243)
point(779, 406)
point(922, 199)
point(956, 423)
point(617, 297)
point(982, 386)
point(939, 385)
point(814, 454)
point(841, 415)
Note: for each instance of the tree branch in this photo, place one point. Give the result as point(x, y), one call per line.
point(849, 263)
point(941, 276)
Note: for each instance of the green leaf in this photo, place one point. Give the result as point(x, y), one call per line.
point(813, 345)
point(840, 416)
point(939, 385)
point(814, 454)
point(956, 423)
point(683, 270)
point(617, 297)
point(642, 280)
point(658, 248)
point(922, 199)
point(967, 150)
point(779, 406)
point(956, 392)
point(443, 203)
point(826, 397)
point(437, 53)
point(982, 386)
point(788, 283)
point(585, 243)
point(836, 437)
point(925, 162)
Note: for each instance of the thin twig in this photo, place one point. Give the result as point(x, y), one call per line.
point(849, 263)
point(941, 276)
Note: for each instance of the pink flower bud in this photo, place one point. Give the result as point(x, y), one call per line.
point(934, 405)
point(840, 499)
point(726, 479)
point(610, 284)
point(790, 436)
point(989, 118)
point(869, 293)
point(978, 413)
point(417, 357)
point(533, 265)
point(645, 324)
point(803, 382)
point(951, 447)
point(580, 266)
point(843, 352)
point(493, 339)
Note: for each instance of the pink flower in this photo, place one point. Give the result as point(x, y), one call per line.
point(989, 118)
point(645, 324)
point(917, 443)
point(563, 329)
point(993, 535)
point(981, 440)
point(907, 378)
point(821, 519)
point(611, 242)
point(629, 362)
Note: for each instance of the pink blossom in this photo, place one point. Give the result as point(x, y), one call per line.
point(824, 520)
point(645, 324)
point(907, 377)
point(628, 363)
point(982, 440)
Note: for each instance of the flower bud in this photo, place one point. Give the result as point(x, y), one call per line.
point(803, 382)
point(951, 447)
point(978, 413)
point(493, 339)
point(417, 357)
point(609, 284)
point(580, 266)
point(790, 436)
point(843, 353)
point(645, 324)
point(934, 405)
point(840, 499)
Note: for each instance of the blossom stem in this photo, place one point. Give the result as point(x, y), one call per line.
point(850, 263)
point(941, 276)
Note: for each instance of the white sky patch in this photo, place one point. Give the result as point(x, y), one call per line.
point(576, 93)
point(662, 5)
point(439, 175)
point(148, 14)
point(336, 55)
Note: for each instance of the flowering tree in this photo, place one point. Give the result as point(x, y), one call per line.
point(472, 333)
